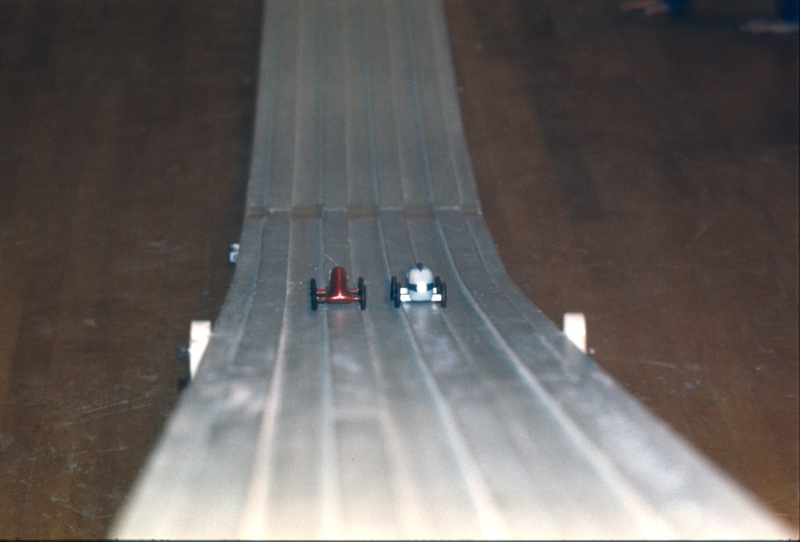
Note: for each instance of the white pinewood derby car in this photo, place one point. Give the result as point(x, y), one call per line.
point(421, 286)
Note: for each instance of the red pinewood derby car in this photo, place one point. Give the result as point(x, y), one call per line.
point(337, 291)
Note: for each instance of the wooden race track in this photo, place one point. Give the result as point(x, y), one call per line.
point(644, 172)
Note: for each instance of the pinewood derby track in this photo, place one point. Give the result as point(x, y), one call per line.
point(480, 419)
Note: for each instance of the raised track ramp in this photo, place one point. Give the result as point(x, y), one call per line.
point(476, 420)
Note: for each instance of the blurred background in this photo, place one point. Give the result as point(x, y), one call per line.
point(642, 170)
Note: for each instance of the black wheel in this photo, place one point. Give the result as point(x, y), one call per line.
point(362, 293)
point(437, 283)
point(444, 295)
point(313, 294)
point(395, 295)
point(392, 286)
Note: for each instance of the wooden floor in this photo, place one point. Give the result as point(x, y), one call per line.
point(644, 172)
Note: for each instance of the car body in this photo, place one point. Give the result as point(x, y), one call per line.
point(420, 286)
point(337, 290)
point(233, 253)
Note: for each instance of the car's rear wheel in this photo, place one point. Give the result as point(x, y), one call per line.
point(443, 290)
point(313, 294)
point(362, 293)
point(395, 292)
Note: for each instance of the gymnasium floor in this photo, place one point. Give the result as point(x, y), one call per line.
point(641, 171)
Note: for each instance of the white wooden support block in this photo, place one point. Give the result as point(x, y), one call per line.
point(199, 336)
point(575, 329)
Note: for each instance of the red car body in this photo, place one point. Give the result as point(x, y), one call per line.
point(337, 290)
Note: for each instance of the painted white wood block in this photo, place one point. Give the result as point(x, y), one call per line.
point(199, 336)
point(575, 329)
